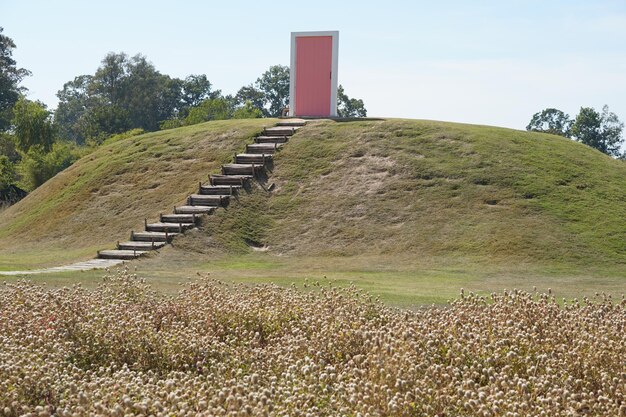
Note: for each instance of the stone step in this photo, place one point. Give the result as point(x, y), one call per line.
point(253, 158)
point(263, 148)
point(292, 123)
point(207, 200)
point(169, 227)
point(219, 189)
point(241, 169)
point(229, 179)
point(120, 254)
point(152, 236)
point(179, 218)
point(279, 131)
point(271, 139)
point(140, 246)
point(197, 210)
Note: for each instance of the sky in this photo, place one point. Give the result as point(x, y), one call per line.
point(483, 62)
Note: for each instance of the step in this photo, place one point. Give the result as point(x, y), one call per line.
point(140, 246)
point(292, 123)
point(197, 210)
point(271, 139)
point(279, 131)
point(179, 218)
point(169, 227)
point(152, 236)
point(120, 254)
point(240, 169)
point(207, 200)
point(229, 179)
point(252, 158)
point(263, 148)
point(219, 189)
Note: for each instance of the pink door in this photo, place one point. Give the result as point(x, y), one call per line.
point(314, 57)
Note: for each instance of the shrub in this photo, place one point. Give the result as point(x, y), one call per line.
point(38, 166)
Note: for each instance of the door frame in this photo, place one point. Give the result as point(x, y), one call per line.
point(334, 34)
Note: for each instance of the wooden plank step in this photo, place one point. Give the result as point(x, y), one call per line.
point(240, 169)
point(140, 246)
point(198, 210)
point(252, 158)
point(279, 131)
point(292, 123)
point(179, 218)
point(207, 200)
point(263, 148)
point(229, 179)
point(219, 189)
point(152, 236)
point(271, 139)
point(170, 227)
point(120, 254)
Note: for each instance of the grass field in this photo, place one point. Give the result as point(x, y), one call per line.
point(411, 210)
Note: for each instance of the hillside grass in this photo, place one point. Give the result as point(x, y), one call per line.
point(410, 210)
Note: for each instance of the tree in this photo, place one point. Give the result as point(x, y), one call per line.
point(7, 172)
point(196, 89)
point(349, 107)
point(210, 109)
point(247, 111)
point(602, 131)
point(274, 84)
point(126, 93)
point(552, 121)
point(10, 78)
point(252, 95)
point(70, 115)
point(33, 125)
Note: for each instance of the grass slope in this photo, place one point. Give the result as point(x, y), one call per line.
point(433, 189)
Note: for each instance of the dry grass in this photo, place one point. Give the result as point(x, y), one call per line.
point(217, 350)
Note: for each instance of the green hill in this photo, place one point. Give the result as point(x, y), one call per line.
point(373, 194)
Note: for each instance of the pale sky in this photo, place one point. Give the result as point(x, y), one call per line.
point(483, 62)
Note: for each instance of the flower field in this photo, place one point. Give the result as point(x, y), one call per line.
point(235, 350)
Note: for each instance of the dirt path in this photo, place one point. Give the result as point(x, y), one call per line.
point(79, 266)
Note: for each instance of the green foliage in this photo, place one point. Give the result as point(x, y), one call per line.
point(33, 125)
point(248, 111)
point(274, 84)
point(10, 78)
point(8, 147)
point(349, 107)
point(211, 109)
point(125, 93)
point(251, 94)
point(552, 121)
point(7, 172)
point(37, 166)
point(602, 131)
point(103, 121)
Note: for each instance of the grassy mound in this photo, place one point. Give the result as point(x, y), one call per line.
point(409, 209)
point(216, 350)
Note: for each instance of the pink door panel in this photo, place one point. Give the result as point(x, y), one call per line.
point(314, 56)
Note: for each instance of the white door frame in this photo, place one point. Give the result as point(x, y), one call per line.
point(333, 75)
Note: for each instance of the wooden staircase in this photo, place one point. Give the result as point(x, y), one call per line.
point(246, 167)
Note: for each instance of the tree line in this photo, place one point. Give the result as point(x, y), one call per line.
point(126, 95)
point(600, 130)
